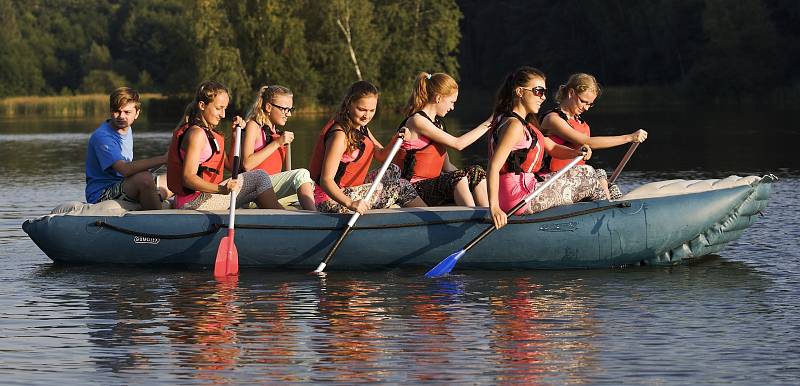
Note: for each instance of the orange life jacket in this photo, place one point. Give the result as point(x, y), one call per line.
point(577, 124)
point(210, 170)
point(351, 173)
point(424, 163)
point(273, 164)
point(523, 160)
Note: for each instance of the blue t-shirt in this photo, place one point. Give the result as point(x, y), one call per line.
point(106, 146)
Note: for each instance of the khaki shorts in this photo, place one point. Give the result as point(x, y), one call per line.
point(286, 183)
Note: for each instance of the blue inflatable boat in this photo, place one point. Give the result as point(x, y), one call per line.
point(660, 223)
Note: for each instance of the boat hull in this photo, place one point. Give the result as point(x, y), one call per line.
point(649, 230)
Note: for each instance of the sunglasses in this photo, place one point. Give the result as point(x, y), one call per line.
point(538, 91)
point(284, 110)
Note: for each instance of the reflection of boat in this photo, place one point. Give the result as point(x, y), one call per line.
point(658, 223)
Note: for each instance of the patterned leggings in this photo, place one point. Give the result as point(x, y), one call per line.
point(254, 183)
point(440, 190)
point(392, 190)
point(579, 183)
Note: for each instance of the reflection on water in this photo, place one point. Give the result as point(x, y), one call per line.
point(506, 327)
point(728, 319)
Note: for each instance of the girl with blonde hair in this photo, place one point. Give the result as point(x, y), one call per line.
point(264, 145)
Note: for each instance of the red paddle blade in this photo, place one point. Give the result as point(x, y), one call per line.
point(227, 262)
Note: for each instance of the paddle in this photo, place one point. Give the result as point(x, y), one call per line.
point(227, 262)
point(445, 266)
point(622, 163)
point(353, 219)
point(288, 157)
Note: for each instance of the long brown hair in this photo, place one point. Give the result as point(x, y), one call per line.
point(206, 93)
point(506, 97)
point(427, 87)
point(356, 91)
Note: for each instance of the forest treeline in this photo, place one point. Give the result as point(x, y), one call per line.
point(715, 48)
point(169, 46)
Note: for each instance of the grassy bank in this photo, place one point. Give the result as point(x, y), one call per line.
point(77, 106)
point(478, 98)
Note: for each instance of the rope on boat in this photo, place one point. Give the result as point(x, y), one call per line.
point(216, 227)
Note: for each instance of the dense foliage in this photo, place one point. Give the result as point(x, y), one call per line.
point(714, 47)
point(169, 46)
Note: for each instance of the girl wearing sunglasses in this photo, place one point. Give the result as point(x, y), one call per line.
point(343, 153)
point(423, 157)
point(516, 148)
point(565, 124)
point(264, 145)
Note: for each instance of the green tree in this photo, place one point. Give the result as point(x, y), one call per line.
point(155, 37)
point(424, 36)
point(271, 38)
point(20, 73)
point(217, 55)
point(332, 57)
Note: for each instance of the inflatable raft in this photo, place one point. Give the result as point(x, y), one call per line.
point(660, 223)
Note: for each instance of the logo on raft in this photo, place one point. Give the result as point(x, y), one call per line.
point(562, 227)
point(146, 240)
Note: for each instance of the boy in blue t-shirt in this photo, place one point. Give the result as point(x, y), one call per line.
point(111, 172)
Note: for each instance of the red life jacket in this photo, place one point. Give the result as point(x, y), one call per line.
point(273, 164)
point(351, 173)
point(523, 160)
point(209, 170)
point(424, 163)
point(577, 124)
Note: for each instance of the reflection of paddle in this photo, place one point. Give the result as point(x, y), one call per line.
point(622, 163)
point(227, 262)
point(353, 219)
point(446, 265)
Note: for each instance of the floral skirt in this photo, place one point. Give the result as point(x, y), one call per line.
point(392, 190)
point(439, 191)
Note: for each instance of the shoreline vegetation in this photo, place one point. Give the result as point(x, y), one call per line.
point(617, 98)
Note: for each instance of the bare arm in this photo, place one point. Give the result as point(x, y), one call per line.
point(128, 169)
point(251, 158)
point(381, 152)
point(335, 146)
point(422, 126)
point(560, 151)
point(555, 125)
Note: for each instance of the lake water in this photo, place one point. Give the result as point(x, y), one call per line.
point(727, 319)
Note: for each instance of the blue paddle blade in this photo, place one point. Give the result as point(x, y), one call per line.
point(445, 266)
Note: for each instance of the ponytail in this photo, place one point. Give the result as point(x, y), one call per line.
point(427, 87)
point(506, 98)
point(206, 93)
point(266, 94)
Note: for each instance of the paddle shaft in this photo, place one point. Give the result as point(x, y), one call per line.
point(622, 163)
point(235, 173)
point(227, 261)
point(366, 198)
point(525, 201)
point(288, 156)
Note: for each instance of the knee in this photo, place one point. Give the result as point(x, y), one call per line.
point(143, 180)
